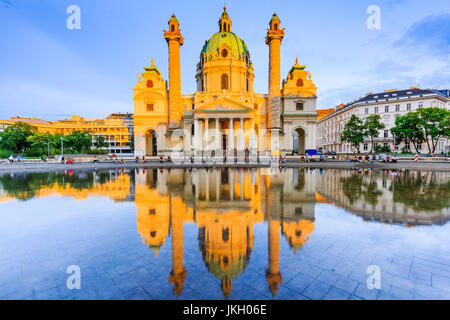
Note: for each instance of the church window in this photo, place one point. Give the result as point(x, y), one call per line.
point(256, 106)
point(224, 53)
point(150, 107)
point(149, 84)
point(299, 83)
point(299, 106)
point(224, 81)
point(275, 26)
point(152, 211)
point(172, 28)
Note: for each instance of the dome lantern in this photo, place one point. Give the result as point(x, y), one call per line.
point(225, 21)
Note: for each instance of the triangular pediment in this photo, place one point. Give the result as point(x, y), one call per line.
point(223, 104)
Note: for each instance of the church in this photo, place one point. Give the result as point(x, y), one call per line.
point(225, 121)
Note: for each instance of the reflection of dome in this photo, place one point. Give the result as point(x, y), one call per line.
point(236, 46)
point(297, 233)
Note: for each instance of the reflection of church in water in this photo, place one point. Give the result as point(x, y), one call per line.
point(225, 205)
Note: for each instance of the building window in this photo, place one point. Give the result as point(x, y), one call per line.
point(385, 145)
point(366, 111)
point(172, 28)
point(397, 107)
point(152, 211)
point(386, 109)
point(408, 107)
point(150, 107)
point(375, 110)
point(224, 53)
point(275, 26)
point(420, 105)
point(419, 146)
point(365, 146)
point(224, 81)
point(149, 84)
point(299, 83)
point(407, 145)
point(299, 106)
point(255, 106)
point(386, 133)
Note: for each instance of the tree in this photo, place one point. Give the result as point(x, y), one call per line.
point(373, 126)
point(14, 137)
point(435, 123)
point(354, 131)
point(100, 142)
point(41, 141)
point(408, 129)
point(78, 141)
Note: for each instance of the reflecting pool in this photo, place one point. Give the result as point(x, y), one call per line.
point(225, 234)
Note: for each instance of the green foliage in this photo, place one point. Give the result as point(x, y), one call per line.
point(78, 141)
point(372, 127)
point(100, 142)
point(15, 136)
point(357, 187)
point(4, 154)
point(382, 149)
point(424, 125)
point(354, 132)
point(422, 192)
point(435, 123)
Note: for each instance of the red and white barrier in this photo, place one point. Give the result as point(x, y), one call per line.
point(416, 157)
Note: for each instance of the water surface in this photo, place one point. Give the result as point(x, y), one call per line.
point(225, 233)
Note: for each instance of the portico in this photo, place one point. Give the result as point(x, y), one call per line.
point(224, 138)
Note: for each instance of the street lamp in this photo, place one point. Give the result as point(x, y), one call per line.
point(62, 147)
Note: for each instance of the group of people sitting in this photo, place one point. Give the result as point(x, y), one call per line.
point(368, 158)
point(11, 158)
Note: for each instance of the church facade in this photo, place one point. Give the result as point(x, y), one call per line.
point(224, 120)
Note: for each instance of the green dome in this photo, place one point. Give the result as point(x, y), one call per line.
point(238, 47)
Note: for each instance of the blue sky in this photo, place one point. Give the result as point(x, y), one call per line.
point(49, 71)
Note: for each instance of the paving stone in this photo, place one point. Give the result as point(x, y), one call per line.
point(316, 290)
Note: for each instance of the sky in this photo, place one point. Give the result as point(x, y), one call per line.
point(52, 72)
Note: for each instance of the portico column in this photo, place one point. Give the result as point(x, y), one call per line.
point(241, 151)
point(242, 135)
point(206, 147)
point(230, 147)
point(217, 135)
point(231, 142)
point(196, 132)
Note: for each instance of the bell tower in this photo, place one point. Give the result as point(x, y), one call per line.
point(174, 41)
point(273, 39)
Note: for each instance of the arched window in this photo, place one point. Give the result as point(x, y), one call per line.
point(275, 26)
point(149, 84)
point(299, 83)
point(224, 81)
point(172, 28)
point(224, 53)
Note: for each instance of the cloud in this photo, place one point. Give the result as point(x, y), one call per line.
point(7, 3)
point(432, 32)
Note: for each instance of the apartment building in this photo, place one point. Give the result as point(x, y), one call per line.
point(389, 105)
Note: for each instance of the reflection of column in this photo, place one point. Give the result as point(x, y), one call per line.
point(273, 274)
point(230, 181)
point(242, 183)
point(178, 274)
point(218, 185)
point(207, 185)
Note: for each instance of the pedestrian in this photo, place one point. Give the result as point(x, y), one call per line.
point(18, 158)
point(11, 158)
